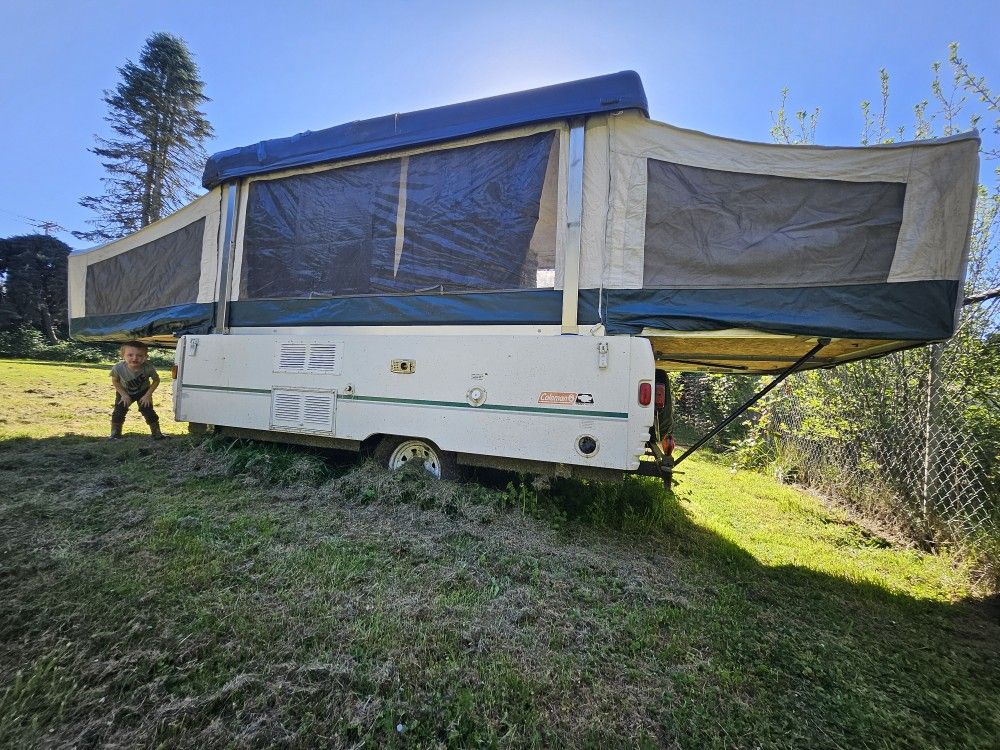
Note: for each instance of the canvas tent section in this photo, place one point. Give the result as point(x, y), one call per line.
point(567, 207)
point(455, 215)
point(466, 232)
point(736, 257)
point(153, 285)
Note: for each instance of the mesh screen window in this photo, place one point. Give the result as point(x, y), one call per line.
point(476, 218)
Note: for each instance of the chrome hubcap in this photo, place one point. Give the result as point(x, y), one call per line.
point(416, 451)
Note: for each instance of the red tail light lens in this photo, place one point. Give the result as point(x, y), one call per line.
point(661, 395)
point(645, 394)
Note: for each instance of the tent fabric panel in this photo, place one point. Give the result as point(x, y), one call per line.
point(316, 234)
point(609, 93)
point(912, 311)
point(161, 273)
point(709, 228)
point(521, 307)
point(934, 239)
point(940, 179)
point(596, 181)
point(471, 214)
point(208, 206)
point(175, 320)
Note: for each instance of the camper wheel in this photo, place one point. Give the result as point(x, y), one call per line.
point(399, 452)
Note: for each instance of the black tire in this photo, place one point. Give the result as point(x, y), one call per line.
point(197, 428)
point(393, 452)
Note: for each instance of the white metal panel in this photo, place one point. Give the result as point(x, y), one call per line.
point(231, 379)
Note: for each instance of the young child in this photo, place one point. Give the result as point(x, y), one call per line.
point(134, 379)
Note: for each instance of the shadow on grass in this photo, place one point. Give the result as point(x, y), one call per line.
point(185, 564)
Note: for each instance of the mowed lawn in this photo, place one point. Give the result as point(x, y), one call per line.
point(202, 593)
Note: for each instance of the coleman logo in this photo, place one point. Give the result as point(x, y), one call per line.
point(557, 397)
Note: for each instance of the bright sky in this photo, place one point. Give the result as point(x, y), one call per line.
point(275, 69)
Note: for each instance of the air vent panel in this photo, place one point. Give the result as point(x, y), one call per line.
point(303, 410)
point(315, 357)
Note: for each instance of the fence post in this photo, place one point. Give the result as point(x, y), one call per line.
point(931, 434)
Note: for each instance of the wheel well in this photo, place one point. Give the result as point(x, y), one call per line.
point(370, 443)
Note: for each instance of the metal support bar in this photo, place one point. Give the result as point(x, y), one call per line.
point(702, 363)
point(574, 228)
point(226, 263)
point(757, 397)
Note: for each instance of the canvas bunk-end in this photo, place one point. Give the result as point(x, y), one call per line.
point(154, 285)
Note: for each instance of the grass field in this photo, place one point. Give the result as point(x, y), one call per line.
point(209, 594)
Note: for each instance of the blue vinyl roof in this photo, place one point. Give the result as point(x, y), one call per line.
point(608, 93)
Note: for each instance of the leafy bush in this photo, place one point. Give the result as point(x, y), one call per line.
point(27, 342)
point(705, 400)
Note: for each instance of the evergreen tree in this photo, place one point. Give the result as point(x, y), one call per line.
point(33, 282)
point(157, 150)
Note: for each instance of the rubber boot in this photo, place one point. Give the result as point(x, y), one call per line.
point(116, 430)
point(154, 430)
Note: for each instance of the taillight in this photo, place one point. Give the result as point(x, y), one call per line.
point(173, 372)
point(661, 395)
point(645, 394)
point(668, 445)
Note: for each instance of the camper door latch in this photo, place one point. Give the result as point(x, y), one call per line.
point(602, 355)
point(403, 366)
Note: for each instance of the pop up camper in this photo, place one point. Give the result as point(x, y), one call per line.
point(506, 281)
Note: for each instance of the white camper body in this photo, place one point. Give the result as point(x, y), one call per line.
point(504, 280)
point(533, 397)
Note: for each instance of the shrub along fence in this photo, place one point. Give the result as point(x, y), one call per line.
point(912, 438)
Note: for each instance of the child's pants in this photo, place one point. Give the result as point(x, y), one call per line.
point(120, 410)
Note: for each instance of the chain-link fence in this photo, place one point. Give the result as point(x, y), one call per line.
point(913, 438)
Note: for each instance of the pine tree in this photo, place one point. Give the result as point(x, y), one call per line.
point(157, 149)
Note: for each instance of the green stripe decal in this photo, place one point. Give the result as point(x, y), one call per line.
point(491, 407)
point(224, 388)
point(546, 410)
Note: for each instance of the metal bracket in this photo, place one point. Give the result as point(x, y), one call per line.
point(757, 397)
point(227, 258)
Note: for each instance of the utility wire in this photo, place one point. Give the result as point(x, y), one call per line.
point(46, 226)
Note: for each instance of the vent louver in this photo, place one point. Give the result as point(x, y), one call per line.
point(323, 358)
point(292, 357)
point(305, 411)
point(318, 357)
